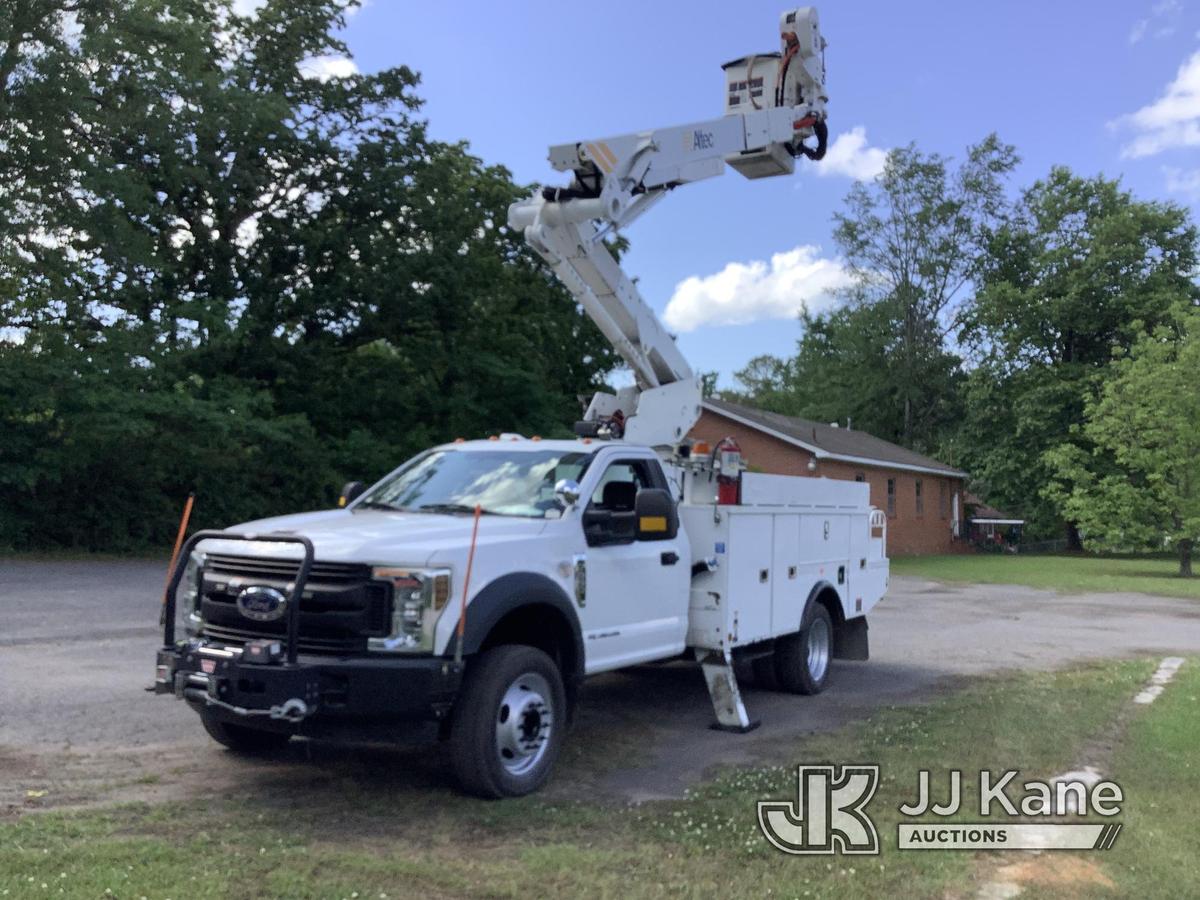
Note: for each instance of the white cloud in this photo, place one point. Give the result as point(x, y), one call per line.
point(749, 292)
point(1162, 18)
point(849, 155)
point(251, 7)
point(248, 7)
point(1171, 121)
point(1184, 182)
point(328, 66)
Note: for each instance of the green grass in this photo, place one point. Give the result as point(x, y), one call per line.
point(1158, 769)
point(1071, 574)
point(350, 837)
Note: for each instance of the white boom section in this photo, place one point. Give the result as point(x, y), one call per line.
point(617, 179)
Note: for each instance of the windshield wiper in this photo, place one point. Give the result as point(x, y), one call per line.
point(452, 508)
point(379, 504)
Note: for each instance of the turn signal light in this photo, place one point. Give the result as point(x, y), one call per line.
point(441, 590)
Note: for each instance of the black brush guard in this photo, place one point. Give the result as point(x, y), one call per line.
point(283, 692)
point(293, 609)
point(223, 672)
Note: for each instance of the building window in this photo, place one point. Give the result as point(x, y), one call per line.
point(943, 499)
point(859, 476)
point(891, 507)
point(920, 498)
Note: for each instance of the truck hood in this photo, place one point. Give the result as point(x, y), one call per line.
point(376, 536)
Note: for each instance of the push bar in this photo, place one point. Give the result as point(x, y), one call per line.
point(293, 610)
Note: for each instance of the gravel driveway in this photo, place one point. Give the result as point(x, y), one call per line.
point(77, 641)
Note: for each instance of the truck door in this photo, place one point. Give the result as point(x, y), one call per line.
point(637, 591)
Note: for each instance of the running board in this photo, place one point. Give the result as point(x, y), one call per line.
point(723, 689)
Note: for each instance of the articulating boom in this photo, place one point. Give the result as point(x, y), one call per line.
point(774, 102)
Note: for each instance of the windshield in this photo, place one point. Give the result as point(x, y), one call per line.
point(503, 482)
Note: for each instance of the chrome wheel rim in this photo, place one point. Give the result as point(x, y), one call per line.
point(524, 722)
point(818, 649)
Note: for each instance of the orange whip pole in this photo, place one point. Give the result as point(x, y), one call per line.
point(462, 609)
point(183, 524)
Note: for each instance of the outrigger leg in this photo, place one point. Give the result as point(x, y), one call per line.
point(723, 689)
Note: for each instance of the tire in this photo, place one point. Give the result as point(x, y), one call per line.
point(507, 727)
point(764, 672)
point(241, 739)
point(802, 659)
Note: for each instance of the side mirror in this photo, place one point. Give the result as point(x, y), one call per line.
point(566, 492)
point(657, 516)
point(351, 492)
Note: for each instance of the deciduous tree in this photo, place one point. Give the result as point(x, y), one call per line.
point(1138, 485)
point(1082, 272)
point(226, 270)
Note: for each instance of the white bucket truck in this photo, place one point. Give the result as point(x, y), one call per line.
point(478, 584)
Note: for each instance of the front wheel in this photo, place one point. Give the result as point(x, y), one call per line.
point(507, 727)
point(802, 660)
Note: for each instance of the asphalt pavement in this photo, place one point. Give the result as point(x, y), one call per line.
point(77, 642)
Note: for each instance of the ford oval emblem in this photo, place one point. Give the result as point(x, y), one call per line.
point(262, 603)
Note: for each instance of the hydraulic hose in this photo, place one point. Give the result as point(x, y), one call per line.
point(821, 130)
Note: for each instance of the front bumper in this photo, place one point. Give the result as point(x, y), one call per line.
point(314, 691)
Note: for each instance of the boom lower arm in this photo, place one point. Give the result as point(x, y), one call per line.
point(615, 180)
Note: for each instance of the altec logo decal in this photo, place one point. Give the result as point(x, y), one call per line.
point(700, 140)
point(827, 816)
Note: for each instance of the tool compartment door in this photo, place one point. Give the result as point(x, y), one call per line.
point(751, 545)
point(787, 595)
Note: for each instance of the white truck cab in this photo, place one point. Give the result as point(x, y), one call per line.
point(481, 581)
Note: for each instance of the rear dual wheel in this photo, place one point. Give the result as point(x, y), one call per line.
point(800, 663)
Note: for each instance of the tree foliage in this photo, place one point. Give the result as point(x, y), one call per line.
point(911, 241)
point(1080, 274)
point(228, 274)
point(1139, 486)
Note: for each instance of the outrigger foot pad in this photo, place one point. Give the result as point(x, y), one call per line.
point(736, 729)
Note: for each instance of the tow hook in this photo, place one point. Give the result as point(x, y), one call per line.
point(293, 710)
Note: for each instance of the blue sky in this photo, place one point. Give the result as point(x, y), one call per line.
point(1101, 87)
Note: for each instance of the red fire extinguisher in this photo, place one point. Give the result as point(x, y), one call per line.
point(727, 461)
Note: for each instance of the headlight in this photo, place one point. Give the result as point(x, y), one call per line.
point(188, 600)
point(418, 597)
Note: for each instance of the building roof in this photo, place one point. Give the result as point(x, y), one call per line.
point(981, 512)
point(831, 442)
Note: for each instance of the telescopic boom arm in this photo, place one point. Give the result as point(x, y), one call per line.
point(774, 102)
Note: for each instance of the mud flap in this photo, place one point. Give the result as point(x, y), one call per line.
point(723, 689)
point(850, 640)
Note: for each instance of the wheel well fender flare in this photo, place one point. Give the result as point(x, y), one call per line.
point(825, 593)
point(849, 635)
point(510, 594)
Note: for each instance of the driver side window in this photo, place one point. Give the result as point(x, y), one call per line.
point(620, 473)
point(610, 517)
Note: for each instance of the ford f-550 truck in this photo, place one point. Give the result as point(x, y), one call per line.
point(479, 583)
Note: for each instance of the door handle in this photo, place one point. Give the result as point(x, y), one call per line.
point(669, 558)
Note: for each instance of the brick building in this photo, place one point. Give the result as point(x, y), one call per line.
point(923, 498)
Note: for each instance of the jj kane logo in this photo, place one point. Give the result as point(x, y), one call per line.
point(829, 813)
